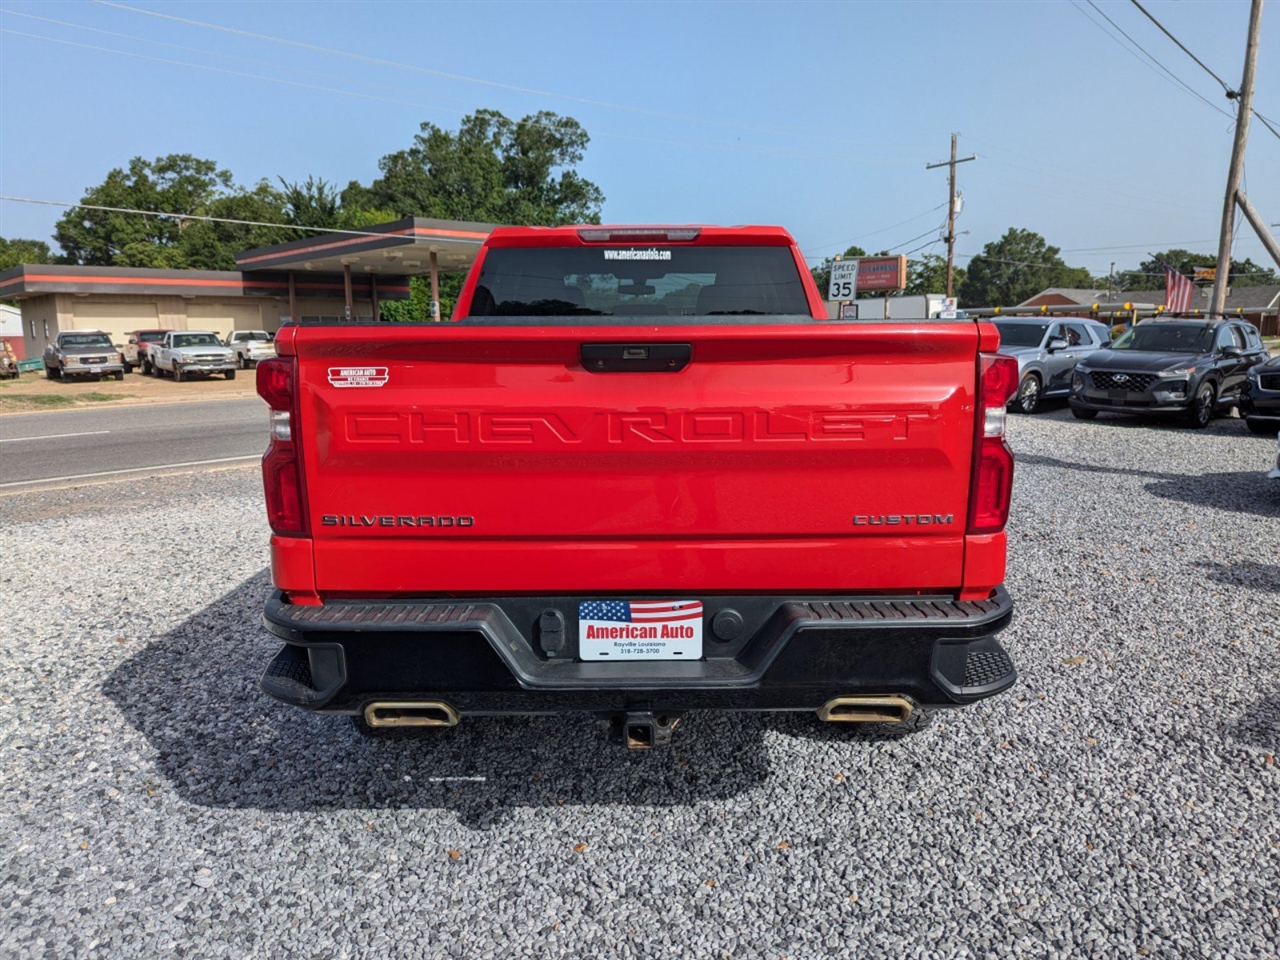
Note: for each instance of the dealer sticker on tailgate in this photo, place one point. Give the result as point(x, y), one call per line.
point(359, 376)
point(640, 630)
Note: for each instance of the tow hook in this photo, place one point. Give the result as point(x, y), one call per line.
point(642, 730)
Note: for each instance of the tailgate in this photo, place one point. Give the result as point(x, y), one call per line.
point(780, 457)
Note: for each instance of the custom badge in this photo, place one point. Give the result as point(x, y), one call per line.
point(359, 376)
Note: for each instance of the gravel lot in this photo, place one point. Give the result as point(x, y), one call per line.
point(1123, 800)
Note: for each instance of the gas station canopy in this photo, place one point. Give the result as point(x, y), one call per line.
point(400, 248)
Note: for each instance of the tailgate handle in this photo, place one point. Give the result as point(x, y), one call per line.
point(635, 357)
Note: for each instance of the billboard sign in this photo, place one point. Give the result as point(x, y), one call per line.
point(880, 273)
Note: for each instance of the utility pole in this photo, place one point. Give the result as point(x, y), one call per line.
point(951, 204)
point(1244, 107)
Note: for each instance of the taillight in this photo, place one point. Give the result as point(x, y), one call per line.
point(281, 464)
point(992, 483)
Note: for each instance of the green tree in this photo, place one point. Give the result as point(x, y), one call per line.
point(1149, 274)
point(1015, 268)
point(492, 169)
point(928, 274)
point(174, 184)
point(313, 203)
point(19, 250)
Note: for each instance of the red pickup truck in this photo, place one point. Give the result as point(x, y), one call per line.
point(640, 473)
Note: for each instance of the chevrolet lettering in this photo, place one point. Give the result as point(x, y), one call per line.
point(620, 482)
point(450, 428)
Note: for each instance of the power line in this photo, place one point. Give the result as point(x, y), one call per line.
point(210, 53)
point(1153, 59)
point(661, 141)
point(1030, 263)
point(1058, 173)
point(1266, 123)
point(193, 216)
point(892, 226)
point(923, 246)
point(381, 61)
point(1230, 93)
point(497, 84)
point(914, 239)
point(212, 69)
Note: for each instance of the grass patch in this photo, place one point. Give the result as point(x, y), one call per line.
point(38, 400)
point(54, 401)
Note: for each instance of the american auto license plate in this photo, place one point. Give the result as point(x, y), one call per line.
point(640, 630)
point(95, 369)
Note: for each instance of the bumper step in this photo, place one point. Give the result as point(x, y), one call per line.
point(493, 655)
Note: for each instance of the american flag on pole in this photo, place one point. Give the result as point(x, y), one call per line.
point(1177, 290)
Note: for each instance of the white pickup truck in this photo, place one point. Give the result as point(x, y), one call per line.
point(184, 353)
point(250, 346)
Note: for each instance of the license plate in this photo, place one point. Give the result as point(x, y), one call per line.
point(640, 630)
point(95, 369)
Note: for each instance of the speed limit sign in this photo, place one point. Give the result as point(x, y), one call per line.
point(844, 280)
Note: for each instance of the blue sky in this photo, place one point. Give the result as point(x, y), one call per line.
point(817, 116)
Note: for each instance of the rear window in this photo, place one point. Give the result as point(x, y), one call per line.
point(1167, 338)
point(605, 281)
point(1021, 334)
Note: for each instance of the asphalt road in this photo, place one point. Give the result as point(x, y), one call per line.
point(83, 445)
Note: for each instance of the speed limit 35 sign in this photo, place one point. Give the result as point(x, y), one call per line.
point(844, 280)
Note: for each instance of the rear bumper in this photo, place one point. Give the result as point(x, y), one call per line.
point(505, 656)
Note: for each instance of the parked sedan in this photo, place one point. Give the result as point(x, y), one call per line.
point(1047, 354)
point(1189, 368)
point(1260, 398)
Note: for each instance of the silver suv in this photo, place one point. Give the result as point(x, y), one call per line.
point(1047, 352)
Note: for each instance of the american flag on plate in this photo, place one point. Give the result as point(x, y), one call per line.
point(640, 629)
point(1177, 290)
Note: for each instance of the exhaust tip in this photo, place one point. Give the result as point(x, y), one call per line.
point(410, 713)
point(869, 709)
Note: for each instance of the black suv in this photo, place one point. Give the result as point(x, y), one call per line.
point(1260, 401)
point(1191, 368)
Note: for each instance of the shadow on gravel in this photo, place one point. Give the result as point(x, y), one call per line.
point(1260, 726)
point(1219, 426)
point(1249, 492)
point(1255, 576)
point(220, 742)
